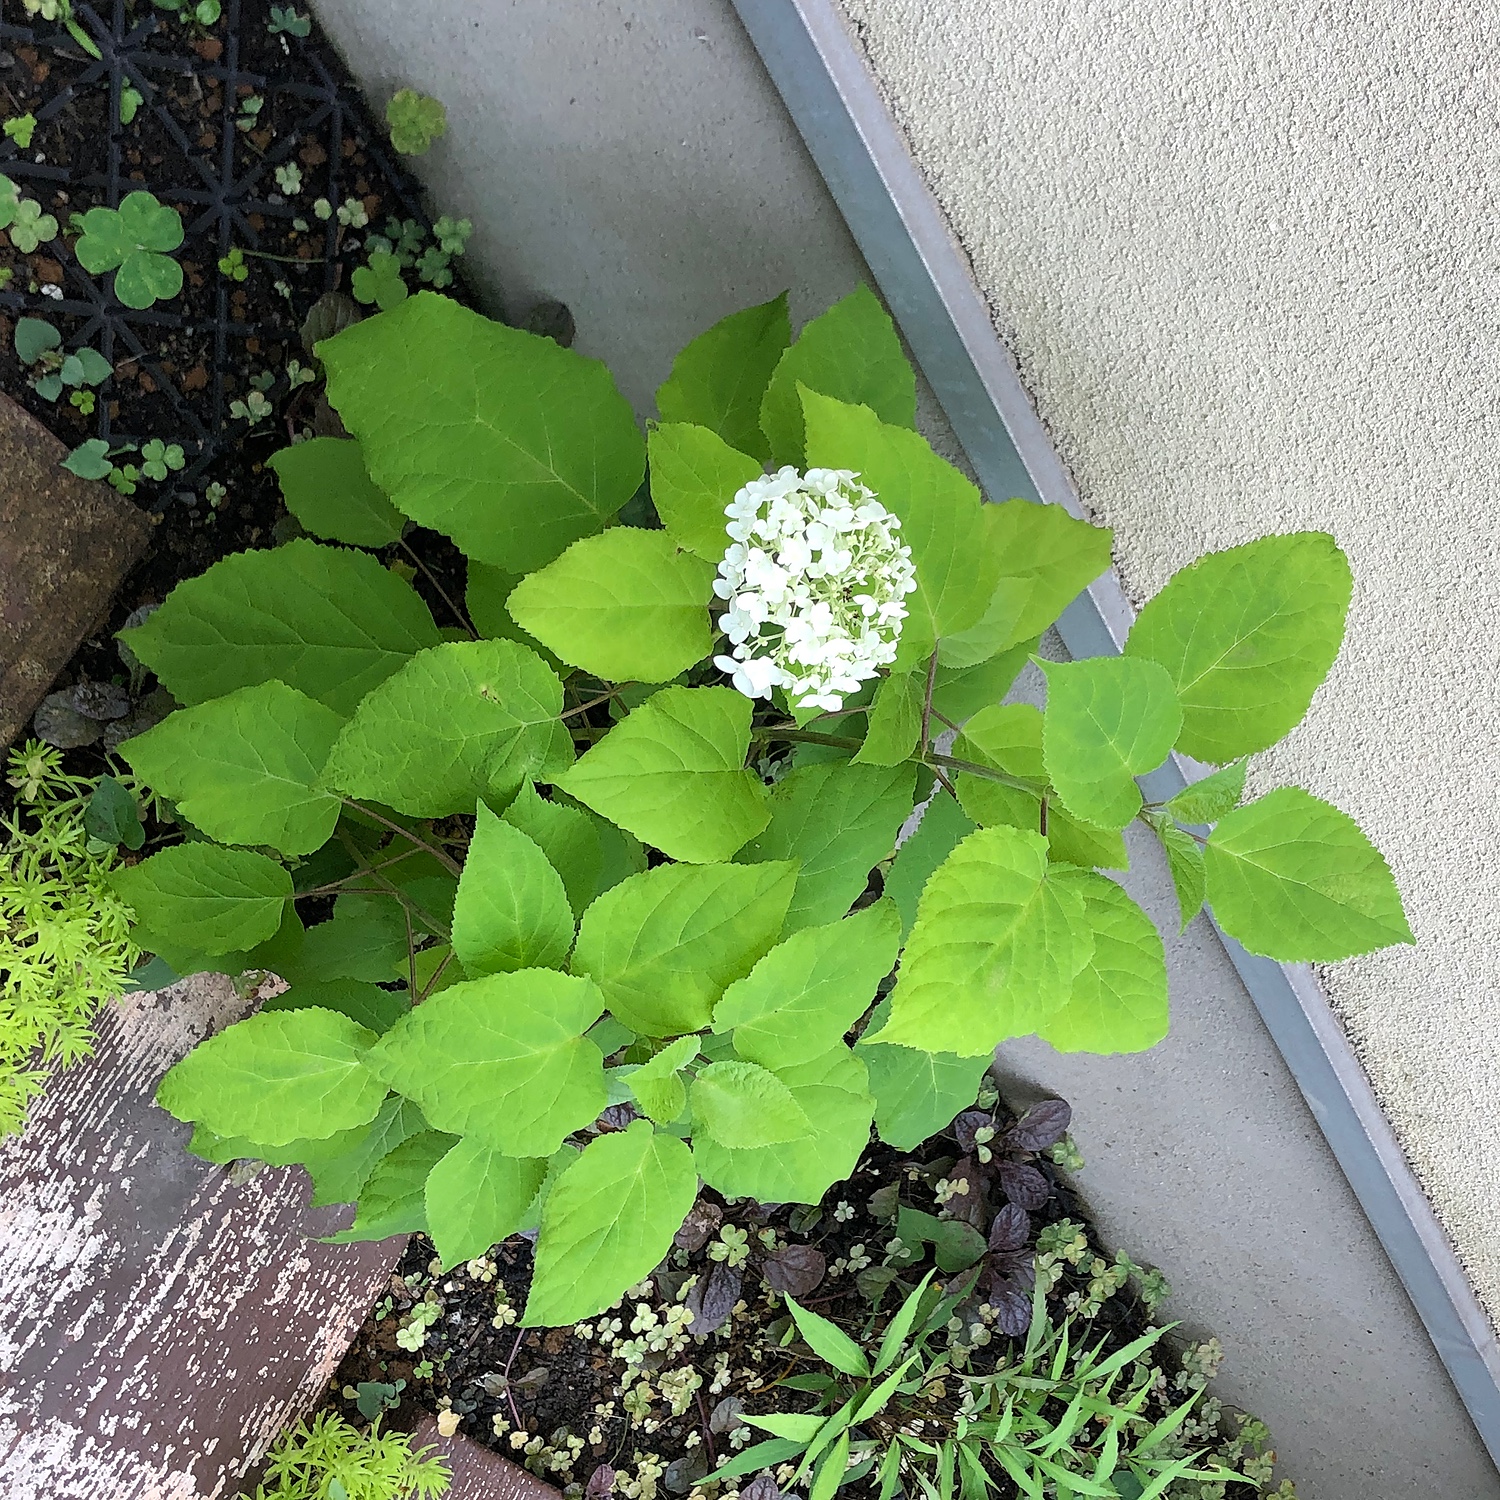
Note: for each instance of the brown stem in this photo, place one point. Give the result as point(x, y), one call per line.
point(437, 974)
point(614, 692)
point(1043, 829)
point(932, 665)
point(431, 577)
point(446, 860)
point(708, 1432)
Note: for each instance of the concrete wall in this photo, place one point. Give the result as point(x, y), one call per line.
point(633, 160)
point(1245, 252)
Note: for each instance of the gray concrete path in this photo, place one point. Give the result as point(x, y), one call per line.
point(634, 161)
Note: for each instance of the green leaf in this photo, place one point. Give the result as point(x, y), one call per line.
point(569, 838)
point(331, 623)
point(626, 606)
point(955, 1245)
point(1119, 998)
point(758, 1456)
point(415, 121)
point(244, 768)
point(477, 1196)
point(839, 820)
point(694, 475)
point(503, 440)
point(364, 1003)
point(852, 353)
point(112, 815)
point(95, 368)
point(463, 721)
point(557, 1164)
point(608, 1222)
point(212, 899)
point(960, 692)
point(673, 773)
point(90, 460)
point(719, 380)
point(829, 1342)
point(918, 1093)
point(277, 1077)
point(392, 1199)
point(1108, 720)
point(741, 1104)
point(664, 945)
point(941, 514)
point(1008, 737)
point(802, 997)
point(1184, 865)
point(801, 1427)
point(132, 241)
point(658, 1090)
point(997, 943)
point(327, 487)
point(895, 720)
point(503, 1059)
point(34, 337)
point(1295, 879)
point(1208, 800)
point(1046, 558)
point(363, 940)
point(1247, 635)
point(512, 909)
point(943, 824)
point(832, 1091)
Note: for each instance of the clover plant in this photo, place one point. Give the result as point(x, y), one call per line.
point(603, 925)
point(23, 219)
point(415, 121)
point(134, 241)
point(50, 368)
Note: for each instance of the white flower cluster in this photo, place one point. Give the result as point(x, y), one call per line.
point(815, 576)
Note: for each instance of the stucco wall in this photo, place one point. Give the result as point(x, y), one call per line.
point(1245, 252)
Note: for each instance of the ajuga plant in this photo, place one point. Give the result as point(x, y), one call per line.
point(65, 945)
point(1059, 1419)
point(610, 855)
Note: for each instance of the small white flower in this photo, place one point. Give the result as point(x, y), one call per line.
point(814, 576)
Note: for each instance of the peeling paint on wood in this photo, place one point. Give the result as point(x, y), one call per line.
point(479, 1473)
point(65, 544)
point(158, 1326)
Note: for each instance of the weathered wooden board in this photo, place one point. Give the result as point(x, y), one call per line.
point(478, 1473)
point(65, 544)
point(158, 1325)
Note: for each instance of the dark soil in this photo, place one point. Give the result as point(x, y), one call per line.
point(550, 1384)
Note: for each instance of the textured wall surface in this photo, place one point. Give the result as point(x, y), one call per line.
point(1246, 256)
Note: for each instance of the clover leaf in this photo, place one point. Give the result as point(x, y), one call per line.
point(158, 457)
point(30, 227)
point(34, 337)
point(10, 201)
point(133, 241)
point(415, 120)
point(379, 282)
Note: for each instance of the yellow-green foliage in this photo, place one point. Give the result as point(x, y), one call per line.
point(328, 1459)
point(65, 944)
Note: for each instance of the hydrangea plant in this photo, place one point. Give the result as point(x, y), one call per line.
point(617, 903)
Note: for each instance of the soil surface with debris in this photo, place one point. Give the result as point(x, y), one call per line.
point(563, 1402)
point(180, 366)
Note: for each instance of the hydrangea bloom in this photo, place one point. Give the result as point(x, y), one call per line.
point(814, 577)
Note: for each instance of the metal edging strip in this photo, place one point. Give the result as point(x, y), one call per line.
point(822, 77)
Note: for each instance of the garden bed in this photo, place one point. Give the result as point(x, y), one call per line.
point(222, 371)
point(636, 1391)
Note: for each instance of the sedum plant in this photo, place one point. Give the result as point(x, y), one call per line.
point(610, 857)
point(1061, 1418)
point(326, 1458)
point(65, 945)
